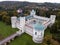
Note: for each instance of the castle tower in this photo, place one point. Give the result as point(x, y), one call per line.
point(22, 24)
point(38, 33)
point(32, 13)
point(52, 18)
point(13, 21)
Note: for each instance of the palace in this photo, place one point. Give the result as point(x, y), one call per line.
point(33, 25)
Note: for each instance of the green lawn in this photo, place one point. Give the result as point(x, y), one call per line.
point(6, 30)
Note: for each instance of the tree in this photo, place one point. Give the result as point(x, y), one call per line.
point(0, 17)
point(58, 15)
point(10, 13)
point(4, 18)
point(26, 12)
point(47, 37)
point(15, 13)
point(44, 43)
point(53, 42)
point(8, 21)
point(4, 13)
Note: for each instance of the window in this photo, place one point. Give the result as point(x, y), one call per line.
point(34, 21)
point(21, 30)
point(35, 33)
point(26, 19)
point(41, 33)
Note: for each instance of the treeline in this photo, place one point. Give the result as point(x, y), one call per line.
point(10, 5)
point(5, 16)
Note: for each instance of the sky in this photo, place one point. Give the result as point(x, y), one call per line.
point(38, 1)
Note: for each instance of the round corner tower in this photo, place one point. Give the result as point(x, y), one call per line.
point(38, 33)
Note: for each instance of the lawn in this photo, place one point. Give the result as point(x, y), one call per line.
point(6, 30)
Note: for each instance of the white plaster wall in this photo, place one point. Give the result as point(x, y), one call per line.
point(13, 21)
point(40, 17)
point(18, 24)
point(52, 18)
point(22, 23)
point(29, 31)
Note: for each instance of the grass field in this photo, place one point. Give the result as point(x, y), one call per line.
point(6, 30)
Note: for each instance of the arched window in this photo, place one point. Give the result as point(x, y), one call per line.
point(21, 30)
point(34, 21)
point(35, 33)
point(41, 33)
point(26, 19)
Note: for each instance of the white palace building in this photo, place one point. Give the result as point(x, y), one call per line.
point(33, 25)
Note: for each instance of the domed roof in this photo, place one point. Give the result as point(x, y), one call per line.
point(39, 26)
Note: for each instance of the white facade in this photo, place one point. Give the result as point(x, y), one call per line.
point(26, 24)
point(22, 23)
point(13, 21)
point(52, 17)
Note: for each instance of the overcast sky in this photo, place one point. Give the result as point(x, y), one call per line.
point(39, 1)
